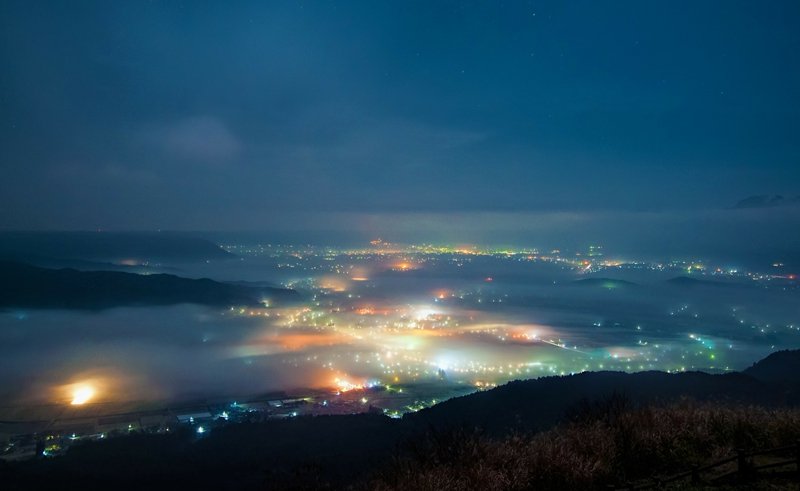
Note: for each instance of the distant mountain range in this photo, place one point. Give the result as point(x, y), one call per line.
point(767, 201)
point(26, 286)
point(604, 282)
point(117, 247)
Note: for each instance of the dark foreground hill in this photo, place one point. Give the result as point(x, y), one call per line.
point(535, 405)
point(26, 286)
point(579, 432)
point(781, 368)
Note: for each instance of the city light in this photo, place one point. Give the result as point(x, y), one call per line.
point(82, 394)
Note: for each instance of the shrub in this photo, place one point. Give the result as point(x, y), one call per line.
point(600, 444)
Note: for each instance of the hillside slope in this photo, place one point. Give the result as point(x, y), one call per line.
point(26, 286)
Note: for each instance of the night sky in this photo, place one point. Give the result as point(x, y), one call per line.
point(237, 115)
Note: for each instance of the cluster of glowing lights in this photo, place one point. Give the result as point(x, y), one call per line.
point(365, 311)
point(375, 337)
point(346, 386)
point(343, 385)
point(404, 266)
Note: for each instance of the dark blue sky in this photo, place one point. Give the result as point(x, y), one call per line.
point(228, 115)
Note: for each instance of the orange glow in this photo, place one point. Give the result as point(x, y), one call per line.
point(333, 283)
point(359, 273)
point(109, 385)
point(404, 266)
point(372, 310)
point(289, 340)
point(82, 394)
point(295, 342)
point(442, 294)
point(466, 249)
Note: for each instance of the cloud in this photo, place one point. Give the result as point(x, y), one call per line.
point(401, 143)
point(202, 139)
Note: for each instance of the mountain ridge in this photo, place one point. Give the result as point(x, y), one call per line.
point(26, 286)
point(767, 201)
point(108, 247)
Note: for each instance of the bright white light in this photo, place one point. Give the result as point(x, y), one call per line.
point(422, 313)
point(201, 430)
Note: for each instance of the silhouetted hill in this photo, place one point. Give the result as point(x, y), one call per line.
point(26, 286)
point(537, 404)
point(603, 282)
point(781, 367)
point(108, 246)
point(767, 201)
